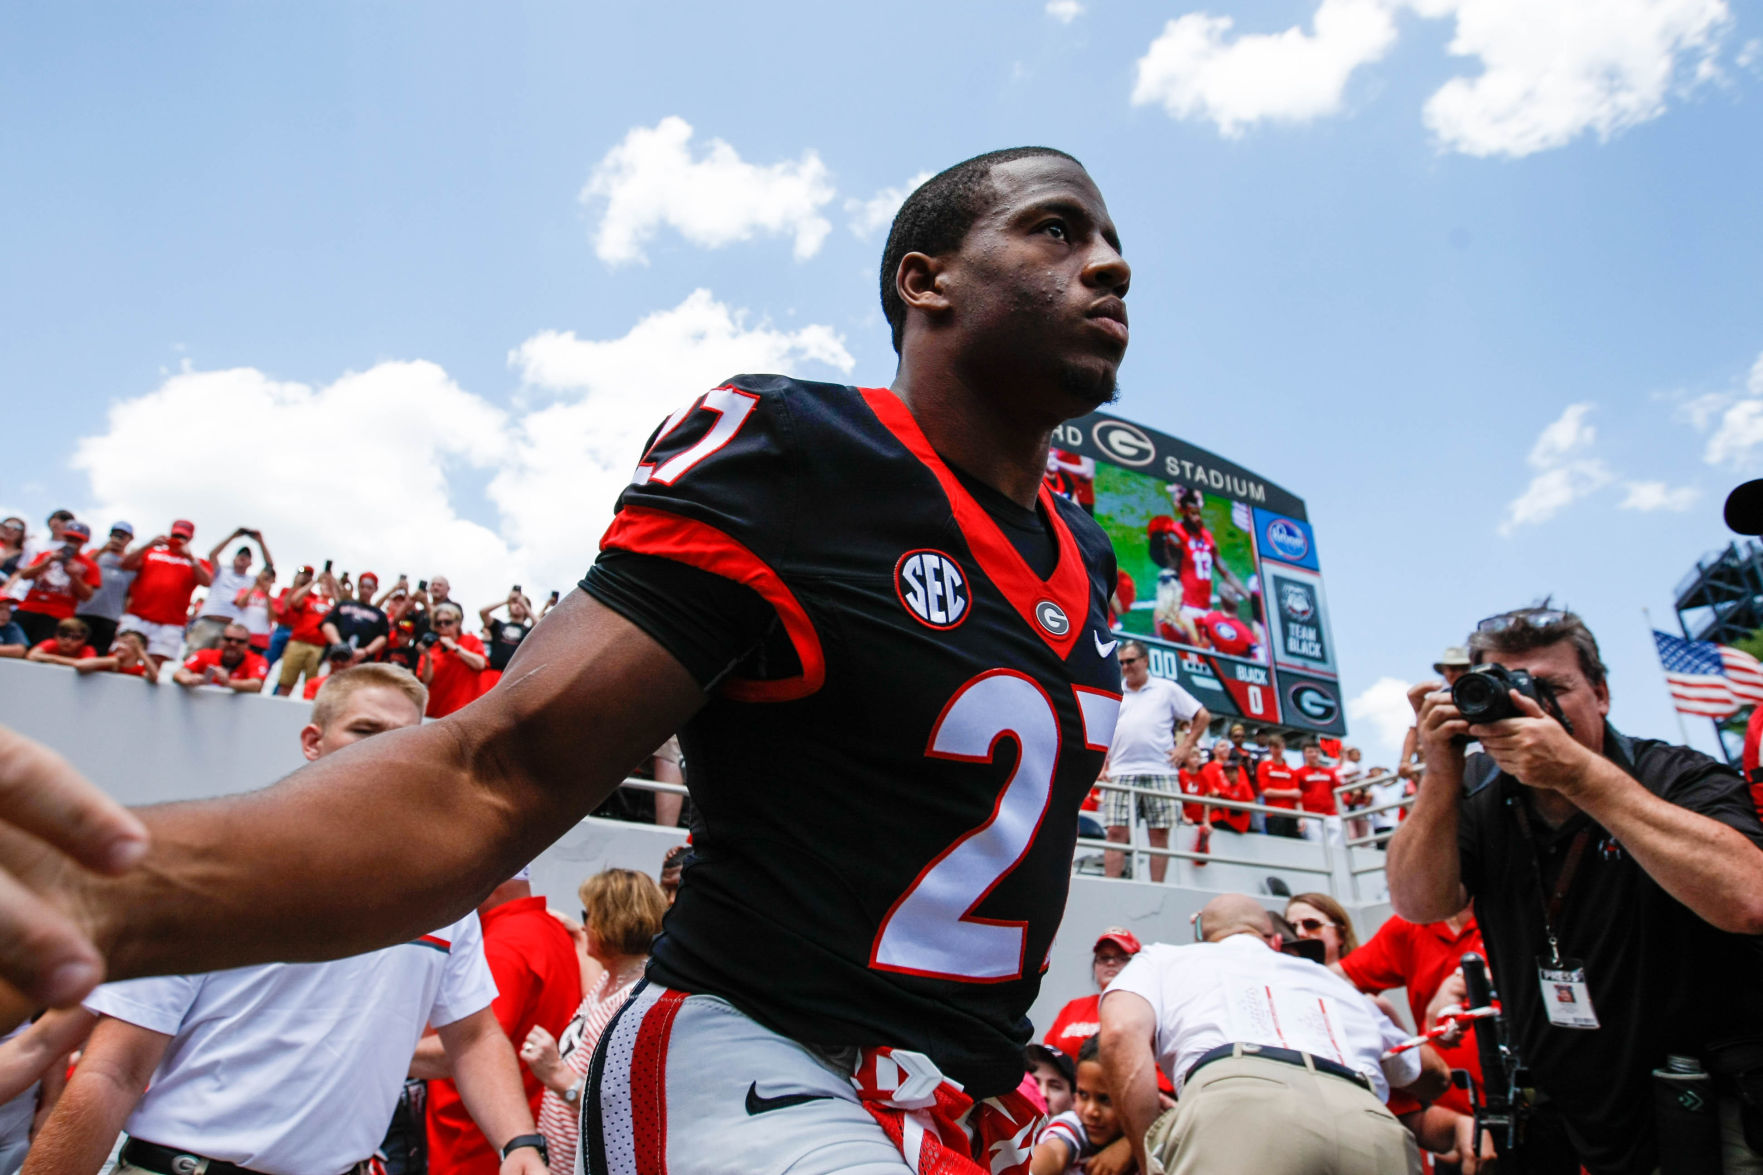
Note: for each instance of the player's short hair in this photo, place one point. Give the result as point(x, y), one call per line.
point(338, 687)
point(1310, 741)
point(1538, 627)
point(623, 910)
point(936, 217)
point(1090, 1049)
point(1335, 912)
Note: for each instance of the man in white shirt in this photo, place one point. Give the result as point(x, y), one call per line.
point(221, 608)
point(291, 1068)
point(1144, 754)
point(1276, 1061)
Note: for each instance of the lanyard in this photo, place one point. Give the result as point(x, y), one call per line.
point(1563, 881)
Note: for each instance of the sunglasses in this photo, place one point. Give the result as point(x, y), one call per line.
point(1310, 925)
point(445, 622)
point(1131, 660)
point(235, 640)
point(1522, 618)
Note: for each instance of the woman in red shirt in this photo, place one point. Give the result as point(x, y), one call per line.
point(454, 665)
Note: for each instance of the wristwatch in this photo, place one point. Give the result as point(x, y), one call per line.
point(536, 1141)
point(572, 1095)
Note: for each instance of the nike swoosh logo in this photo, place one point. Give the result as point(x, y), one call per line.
point(764, 1105)
point(1103, 650)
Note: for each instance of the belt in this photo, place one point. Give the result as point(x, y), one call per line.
point(1283, 1056)
point(167, 1160)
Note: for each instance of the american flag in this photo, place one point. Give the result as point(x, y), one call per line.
point(1709, 679)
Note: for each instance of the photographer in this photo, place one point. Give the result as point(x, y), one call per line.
point(1618, 883)
point(455, 664)
point(61, 578)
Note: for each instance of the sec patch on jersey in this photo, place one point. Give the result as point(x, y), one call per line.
point(933, 588)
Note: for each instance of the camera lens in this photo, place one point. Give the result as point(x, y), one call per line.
point(1475, 695)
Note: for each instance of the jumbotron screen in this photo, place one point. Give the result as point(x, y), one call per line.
point(1218, 571)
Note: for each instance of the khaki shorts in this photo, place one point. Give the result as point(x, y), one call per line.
point(297, 658)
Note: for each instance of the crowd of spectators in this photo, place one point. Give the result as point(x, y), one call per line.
point(160, 611)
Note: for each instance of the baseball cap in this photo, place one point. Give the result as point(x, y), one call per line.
point(1121, 937)
point(1744, 508)
point(1036, 1053)
point(365, 576)
point(124, 527)
point(183, 528)
point(1455, 657)
point(77, 530)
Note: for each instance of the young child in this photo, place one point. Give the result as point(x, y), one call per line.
point(1083, 1130)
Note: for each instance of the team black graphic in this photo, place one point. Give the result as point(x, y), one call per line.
point(887, 811)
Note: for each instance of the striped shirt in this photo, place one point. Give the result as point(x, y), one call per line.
point(559, 1122)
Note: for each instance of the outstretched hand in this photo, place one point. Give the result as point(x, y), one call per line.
point(56, 829)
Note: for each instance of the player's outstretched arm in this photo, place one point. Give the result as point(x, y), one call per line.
point(375, 844)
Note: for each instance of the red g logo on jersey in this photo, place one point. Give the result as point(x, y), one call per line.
point(933, 588)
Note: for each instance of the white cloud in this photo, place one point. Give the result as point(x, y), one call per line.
point(357, 471)
point(651, 180)
point(1564, 474)
point(365, 470)
point(1554, 71)
point(1569, 434)
point(1550, 72)
point(1740, 429)
point(1656, 495)
point(1064, 11)
point(1195, 71)
point(1380, 718)
point(573, 455)
point(877, 212)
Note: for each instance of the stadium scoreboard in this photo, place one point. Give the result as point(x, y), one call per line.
point(1236, 613)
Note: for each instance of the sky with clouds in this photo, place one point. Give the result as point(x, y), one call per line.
point(406, 286)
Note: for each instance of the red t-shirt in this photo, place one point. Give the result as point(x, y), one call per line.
point(52, 591)
point(53, 646)
point(1193, 783)
point(313, 684)
point(252, 668)
point(1753, 736)
point(1077, 1022)
point(1275, 774)
point(455, 684)
point(1420, 958)
point(163, 587)
point(538, 981)
point(1233, 785)
point(1318, 784)
point(305, 618)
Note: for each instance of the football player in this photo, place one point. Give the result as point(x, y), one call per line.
point(865, 920)
point(1188, 554)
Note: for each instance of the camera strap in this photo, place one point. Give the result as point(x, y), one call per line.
point(1563, 881)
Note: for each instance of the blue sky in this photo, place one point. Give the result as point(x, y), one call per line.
point(405, 285)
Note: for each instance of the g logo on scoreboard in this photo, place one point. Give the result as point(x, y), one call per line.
point(1286, 538)
point(1314, 702)
point(1123, 443)
point(932, 587)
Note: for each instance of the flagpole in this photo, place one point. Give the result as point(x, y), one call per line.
point(1682, 730)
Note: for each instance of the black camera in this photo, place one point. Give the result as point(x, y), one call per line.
point(1481, 696)
point(427, 640)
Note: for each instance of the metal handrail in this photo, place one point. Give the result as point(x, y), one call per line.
point(1189, 855)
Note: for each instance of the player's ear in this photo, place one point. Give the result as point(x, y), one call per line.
point(921, 284)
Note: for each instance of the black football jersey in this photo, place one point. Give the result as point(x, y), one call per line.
point(885, 825)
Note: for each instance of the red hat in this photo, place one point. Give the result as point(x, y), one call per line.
point(1121, 937)
point(366, 575)
point(183, 528)
point(77, 530)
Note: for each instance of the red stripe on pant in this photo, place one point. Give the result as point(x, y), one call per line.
point(649, 1083)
